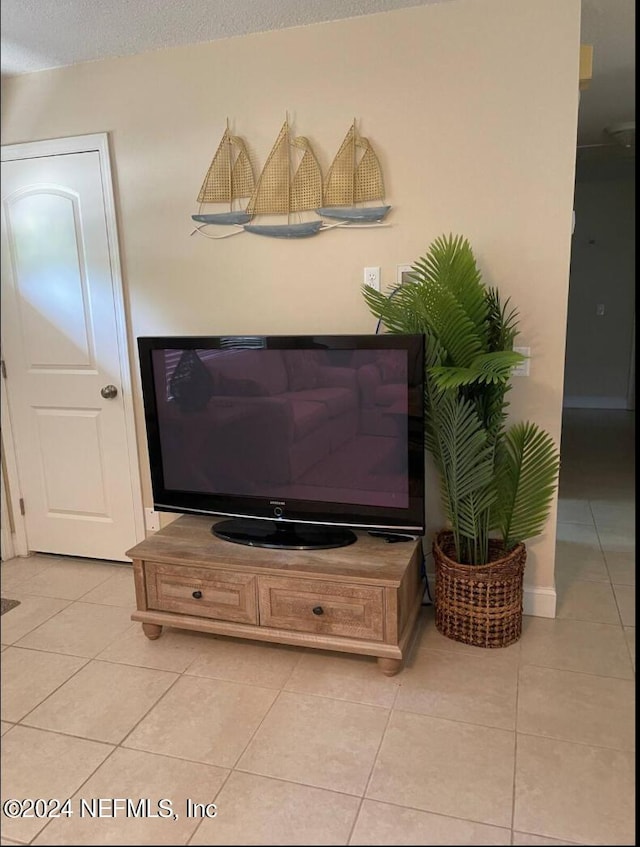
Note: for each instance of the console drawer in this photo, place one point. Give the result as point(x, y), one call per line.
point(340, 608)
point(204, 592)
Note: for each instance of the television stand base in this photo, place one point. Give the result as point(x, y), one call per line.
point(282, 535)
point(392, 537)
point(363, 598)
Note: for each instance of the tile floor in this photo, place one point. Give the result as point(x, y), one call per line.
point(533, 744)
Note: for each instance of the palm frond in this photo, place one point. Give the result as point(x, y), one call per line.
point(399, 315)
point(447, 283)
point(527, 464)
point(466, 464)
point(450, 264)
point(456, 331)
point(432, 398)
point(474, 511)
point(492, 408)
point(485, 368)
point(503, 322)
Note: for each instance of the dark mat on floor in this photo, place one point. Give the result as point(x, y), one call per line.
point(5, 604)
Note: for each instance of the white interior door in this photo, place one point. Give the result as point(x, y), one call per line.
point(66, 372)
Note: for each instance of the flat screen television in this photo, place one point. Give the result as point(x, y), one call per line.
point(297, 439)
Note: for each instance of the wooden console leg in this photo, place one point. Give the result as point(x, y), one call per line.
point(152, 630)
point(389, 667)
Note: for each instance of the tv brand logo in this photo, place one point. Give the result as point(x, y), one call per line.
point(277, 502)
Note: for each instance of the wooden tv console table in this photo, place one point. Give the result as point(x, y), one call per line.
point(363, 598)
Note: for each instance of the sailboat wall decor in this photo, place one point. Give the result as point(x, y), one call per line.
point(277, 192)
point(350, 182)
point(230, 177)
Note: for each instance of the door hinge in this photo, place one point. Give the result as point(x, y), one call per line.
point(22, 506)
point(3, 367)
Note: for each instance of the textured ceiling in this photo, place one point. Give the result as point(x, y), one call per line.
point(39, 34)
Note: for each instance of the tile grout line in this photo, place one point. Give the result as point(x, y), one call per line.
point(46, 620)
point(288, 781)
point(17, 560)
point(406, 711)
point(482, 654)
point(152, 706)
point(232, 769)
point(51, 693)
point(577, 743)
point(82, 784)
point(84, 737)
point(65, 608)
point(573, 670)
point(264, 717)
point(539, 835)
point(215, 797)
point(591, 620)
point(631, 658)
point(515, 755)
point(114, 747)
point(113, 744)
point(372, 768)
point(397, 805)
point(606, 564)
point(70, 600)
point(21, 843)
point(393, 803)
point(593, 518)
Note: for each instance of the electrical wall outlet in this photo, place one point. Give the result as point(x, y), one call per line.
point(523, 368)
point(151, 520)
point(372, 277)
point(600, 309)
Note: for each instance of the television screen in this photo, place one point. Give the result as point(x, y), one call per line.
point(323, 430)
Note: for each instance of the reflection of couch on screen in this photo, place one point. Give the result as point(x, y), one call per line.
point(294, 410)
point(248, 421)
point(382, 380)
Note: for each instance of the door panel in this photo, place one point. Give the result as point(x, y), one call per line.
point(69, 436)
point(45, 242)
point(60, 344)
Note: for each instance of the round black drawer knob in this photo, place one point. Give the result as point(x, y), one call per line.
point(197, 595)
point(318, 610)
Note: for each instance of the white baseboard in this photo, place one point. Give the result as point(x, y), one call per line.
point(595, 403)
point(539, 602)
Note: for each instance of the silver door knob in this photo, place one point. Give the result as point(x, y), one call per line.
point(109, 392)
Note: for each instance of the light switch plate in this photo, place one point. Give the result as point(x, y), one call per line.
point(523, 368)
point(402, 272)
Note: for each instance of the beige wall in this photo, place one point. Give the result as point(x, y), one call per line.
point(472, 107)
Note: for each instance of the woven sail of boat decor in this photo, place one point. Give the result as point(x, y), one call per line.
point(306, 187)
point(271, 195)
point(227, 179)
point(368, 184)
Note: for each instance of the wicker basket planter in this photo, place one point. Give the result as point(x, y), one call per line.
point(479, 604)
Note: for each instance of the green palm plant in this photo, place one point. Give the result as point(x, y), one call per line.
point(495, 481)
